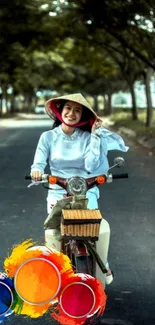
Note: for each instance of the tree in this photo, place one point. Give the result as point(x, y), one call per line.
point(125, 20)
point(147, 73)
point(126, 25)
point(24, 27)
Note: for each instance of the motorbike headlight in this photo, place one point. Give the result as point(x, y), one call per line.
point(77, 185)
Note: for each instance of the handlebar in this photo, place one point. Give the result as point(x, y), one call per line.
point(28, 177)
point(91, 180)
point(117, 176)
point(75, 185)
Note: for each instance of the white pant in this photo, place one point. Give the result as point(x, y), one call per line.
point(102, 245)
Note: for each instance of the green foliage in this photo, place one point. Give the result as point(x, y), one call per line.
point(72, 45)
point(125, 21)
point(123, 119)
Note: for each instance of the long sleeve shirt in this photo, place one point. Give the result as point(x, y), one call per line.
point(80, 154)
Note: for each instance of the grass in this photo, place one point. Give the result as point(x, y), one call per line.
point(124, 119)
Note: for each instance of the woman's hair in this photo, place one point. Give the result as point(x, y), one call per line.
point(86, 114)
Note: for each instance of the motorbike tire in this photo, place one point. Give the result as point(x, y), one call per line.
point(82, 263)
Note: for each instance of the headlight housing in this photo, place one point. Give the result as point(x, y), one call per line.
point(77, 185)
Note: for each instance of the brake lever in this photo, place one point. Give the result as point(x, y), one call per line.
point(34, 183)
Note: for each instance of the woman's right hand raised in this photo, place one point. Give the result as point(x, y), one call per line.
point(36, 175)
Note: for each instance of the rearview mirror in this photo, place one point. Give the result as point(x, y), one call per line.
point(119, 161)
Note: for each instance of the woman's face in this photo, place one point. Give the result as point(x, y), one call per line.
point(72, 112)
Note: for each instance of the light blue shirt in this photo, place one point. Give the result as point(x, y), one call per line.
point(80, 154)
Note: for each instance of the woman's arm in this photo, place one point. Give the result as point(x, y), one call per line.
point(101, 141)
point(111, 140)
point(93, 153)
point(41, 154)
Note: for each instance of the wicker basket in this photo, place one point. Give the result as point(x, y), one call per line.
point(80, 224)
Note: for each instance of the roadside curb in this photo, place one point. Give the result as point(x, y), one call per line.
point(145, 141)
point(22, 119)
point(24, 116)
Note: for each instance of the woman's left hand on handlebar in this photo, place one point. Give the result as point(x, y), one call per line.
point(36, 175)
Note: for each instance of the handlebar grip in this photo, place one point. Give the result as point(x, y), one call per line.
point(28, 177)
point(116, 176)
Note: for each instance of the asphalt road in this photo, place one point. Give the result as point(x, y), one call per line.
point(128, 205)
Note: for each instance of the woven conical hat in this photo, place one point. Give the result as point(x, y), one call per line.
point(78, 98)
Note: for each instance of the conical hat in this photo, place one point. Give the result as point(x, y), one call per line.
point(78, 98)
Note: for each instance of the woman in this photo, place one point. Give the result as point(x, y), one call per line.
point(77, 145)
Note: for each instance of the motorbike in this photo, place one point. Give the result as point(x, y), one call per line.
point(80, 227)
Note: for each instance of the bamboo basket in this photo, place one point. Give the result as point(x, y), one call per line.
point(80, 224)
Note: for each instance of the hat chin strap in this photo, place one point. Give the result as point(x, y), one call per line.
point(58, 115)
point(74, 125)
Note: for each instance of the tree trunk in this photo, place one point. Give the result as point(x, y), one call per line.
point(35, 100)
point(105, 102)
point(27, 102)
point(1, 103)
point(109, 112)
point(108, 104)
point(95, 104)
point(149, 117)
point(6, 99)
point(31, 96)
point(13, 107)
point(134, 106)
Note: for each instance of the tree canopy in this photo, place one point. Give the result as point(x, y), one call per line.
point(68, 45)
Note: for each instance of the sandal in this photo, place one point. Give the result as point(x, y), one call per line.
point(110, 276)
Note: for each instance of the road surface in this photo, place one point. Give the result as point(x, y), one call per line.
point(127, 204)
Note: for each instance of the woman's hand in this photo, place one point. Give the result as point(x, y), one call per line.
point(36, 175)
point(97, 124)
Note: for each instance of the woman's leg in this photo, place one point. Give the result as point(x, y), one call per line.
point(50, 234)
point(51, 241)
point(102, 245)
